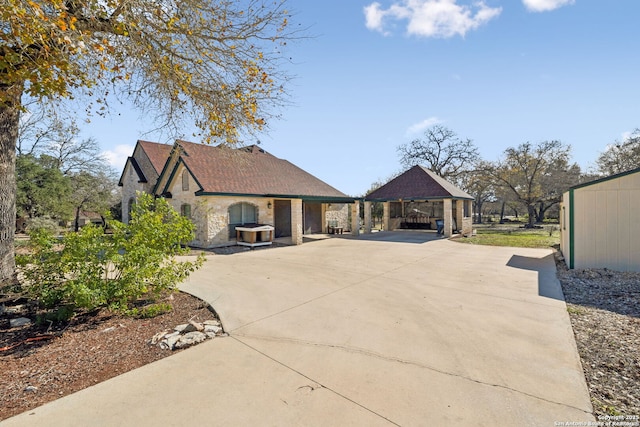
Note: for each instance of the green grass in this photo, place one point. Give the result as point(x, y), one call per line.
point(514, 235)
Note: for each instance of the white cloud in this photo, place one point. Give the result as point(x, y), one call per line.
point(373, 16)
point(545, 5)
point(417, 128)
point(626, 136)
point(117, 157)
point(431, 18)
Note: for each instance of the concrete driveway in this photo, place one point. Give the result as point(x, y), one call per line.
point(391, 329)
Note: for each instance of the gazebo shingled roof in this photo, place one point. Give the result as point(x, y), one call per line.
point(418, 183)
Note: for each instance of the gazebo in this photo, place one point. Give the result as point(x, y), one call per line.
point(420, 199)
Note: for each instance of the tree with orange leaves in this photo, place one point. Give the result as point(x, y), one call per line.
point(213, 63)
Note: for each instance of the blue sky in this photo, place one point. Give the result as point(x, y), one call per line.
point(501, 73)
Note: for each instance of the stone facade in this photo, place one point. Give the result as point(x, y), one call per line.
point(210, 214)
point(131, 181)
point(339, 213)
point(214, 214)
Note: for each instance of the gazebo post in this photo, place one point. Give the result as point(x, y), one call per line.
point(448, 217)
point(355, 218)
point(367, 217)
point(386, 215)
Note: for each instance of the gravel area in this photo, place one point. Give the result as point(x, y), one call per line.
point(604, 308)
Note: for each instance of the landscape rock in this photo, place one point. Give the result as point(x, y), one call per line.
point(31, 389)
point(212, 328)
point(190, 339)
point(187, 334)
point(185, 328)
point(158, 337)
point(198, 326)
point(20, 321)
point(169, 342)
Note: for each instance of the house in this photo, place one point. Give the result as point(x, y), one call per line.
point(419, 198)
point(599, 223)
point(221, 188)
point(86, 217)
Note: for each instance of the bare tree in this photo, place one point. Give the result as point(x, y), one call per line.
point(44, 132)
point(620, 156)
point(481, 185)
point(441, 151)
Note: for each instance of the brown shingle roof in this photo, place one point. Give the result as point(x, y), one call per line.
point(157, 153)
point(417, 183)
point(250, 170)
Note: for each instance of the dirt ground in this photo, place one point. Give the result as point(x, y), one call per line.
point(43, 362)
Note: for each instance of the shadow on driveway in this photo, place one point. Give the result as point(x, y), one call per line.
point(548, 284)
point(397, 236)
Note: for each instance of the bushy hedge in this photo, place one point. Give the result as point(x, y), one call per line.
point(91, 269)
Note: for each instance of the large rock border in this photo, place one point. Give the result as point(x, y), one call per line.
point(187, 334)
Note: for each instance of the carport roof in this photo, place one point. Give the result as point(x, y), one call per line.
point(418, 183)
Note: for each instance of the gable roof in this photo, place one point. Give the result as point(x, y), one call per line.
point(157, 153)
point(606, 178)
point(220, 170)
point(418, 183)
point(136, 168)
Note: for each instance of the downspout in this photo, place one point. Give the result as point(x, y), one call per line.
point(571, 232)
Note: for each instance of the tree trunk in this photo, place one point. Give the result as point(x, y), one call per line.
point(502, 213)
point(540, 212)
point(478, 218)
point(77, 220)
point(532, 215)
point(9, 122)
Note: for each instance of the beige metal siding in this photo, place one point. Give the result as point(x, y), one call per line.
point(606, 226)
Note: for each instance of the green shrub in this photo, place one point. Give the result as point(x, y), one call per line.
point(60, 314)
point(42, 223)
point(91, 269)
point(150, 311)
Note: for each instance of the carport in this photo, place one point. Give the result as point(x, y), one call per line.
point(420, 199)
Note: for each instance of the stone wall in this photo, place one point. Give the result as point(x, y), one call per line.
point(338, 212)
point(130, 186)
point(131, 181)
point(210, 214)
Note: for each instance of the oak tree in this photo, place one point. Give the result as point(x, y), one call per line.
point(441, 151)
point(536, 175)
point(481, 185)
point(42, 190)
